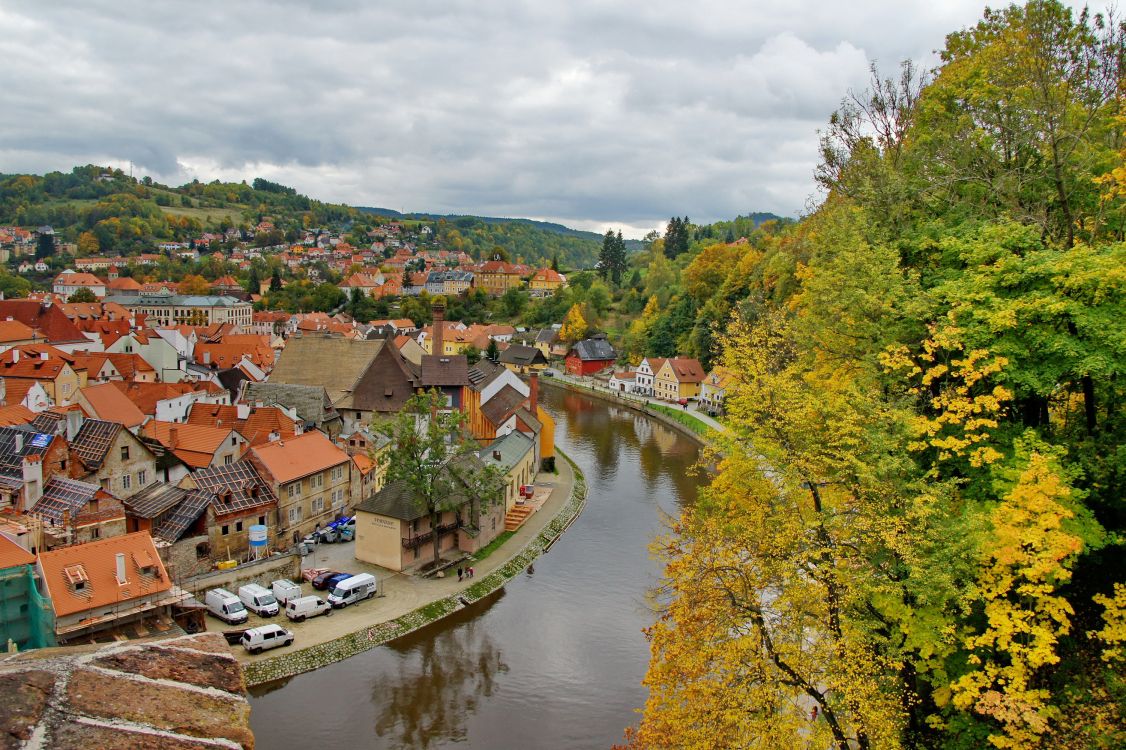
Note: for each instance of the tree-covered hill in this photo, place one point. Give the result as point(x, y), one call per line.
point(915, 535)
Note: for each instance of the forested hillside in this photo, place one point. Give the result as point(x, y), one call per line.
point(914, 538)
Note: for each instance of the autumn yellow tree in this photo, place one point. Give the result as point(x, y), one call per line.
point(1026, 559)
point(193, 284)
point(88, 244)
point(574, 325)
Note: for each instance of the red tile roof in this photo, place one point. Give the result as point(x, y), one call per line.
point(50, 322)
point(111, 405)
point(193, 444)
point(286, 460)
point(95, 564)
point(15, 413)
point(11, 554)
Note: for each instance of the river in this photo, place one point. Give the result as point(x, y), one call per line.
point(552, 660)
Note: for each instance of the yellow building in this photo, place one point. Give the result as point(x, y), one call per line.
point(496, 277)
point(678, 378)
point(545, 281)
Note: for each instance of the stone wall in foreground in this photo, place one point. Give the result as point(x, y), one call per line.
point(176, 694)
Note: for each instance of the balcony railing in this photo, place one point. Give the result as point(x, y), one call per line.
point(412, 542)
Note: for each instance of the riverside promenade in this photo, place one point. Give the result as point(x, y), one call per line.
point(409, 602)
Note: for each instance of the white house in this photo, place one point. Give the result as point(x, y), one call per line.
point(68, 282)
point(646, 373)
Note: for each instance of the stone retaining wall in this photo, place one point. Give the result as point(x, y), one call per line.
point(322, 654)
point(262, 572)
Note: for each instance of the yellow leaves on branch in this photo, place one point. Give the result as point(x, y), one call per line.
point(1113, 633)
point(963, 408)
point(1025, 561)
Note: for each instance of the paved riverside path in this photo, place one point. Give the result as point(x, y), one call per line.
point(402, 592)
point(589, 384)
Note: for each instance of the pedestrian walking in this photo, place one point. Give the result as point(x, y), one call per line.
point(459, 574)
point(813, 714)
point(470, 572)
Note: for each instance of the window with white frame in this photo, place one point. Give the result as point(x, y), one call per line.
point(318, 505)
point(125, 481)
point(294, 515)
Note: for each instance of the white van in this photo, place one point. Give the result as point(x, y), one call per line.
point(226, 606)
point(257, 640)
point(351, 590)
point(258, 600)
point(284, 590)
point(306, 606)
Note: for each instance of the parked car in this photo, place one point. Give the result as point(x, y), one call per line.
point(306, 606)
point(320, 583)
point(352, 589)
point(284, 590)
point(226, 606)
point(332, 581)
point(258, 599)
point(256, 640)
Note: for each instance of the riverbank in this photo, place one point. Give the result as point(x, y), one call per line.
point(415, 603)
point(638, 404)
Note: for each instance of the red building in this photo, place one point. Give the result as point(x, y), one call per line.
point(590, 355)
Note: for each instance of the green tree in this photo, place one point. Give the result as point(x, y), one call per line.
point(44, 246)
point(253, 283)
point(676, 237)
point(492, 353)
point(275, 281)
point(83, 294)
point(434, 458)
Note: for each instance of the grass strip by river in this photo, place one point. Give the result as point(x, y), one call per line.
point(323, 654)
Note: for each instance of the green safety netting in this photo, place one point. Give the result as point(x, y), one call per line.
point(26, 618)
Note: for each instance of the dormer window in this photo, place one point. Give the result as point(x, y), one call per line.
point(76, 577)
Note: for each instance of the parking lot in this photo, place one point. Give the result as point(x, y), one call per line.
point(400, 593)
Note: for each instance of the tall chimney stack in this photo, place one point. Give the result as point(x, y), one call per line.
point(533, 391)
point(121, 579)
point(438, 310)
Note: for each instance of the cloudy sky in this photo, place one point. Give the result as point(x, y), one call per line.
point(594, 113)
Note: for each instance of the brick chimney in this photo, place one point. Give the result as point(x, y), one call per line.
point(533, 391)
point(438, 310)
point(173, 437)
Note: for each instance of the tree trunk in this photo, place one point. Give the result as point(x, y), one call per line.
point(435, 517)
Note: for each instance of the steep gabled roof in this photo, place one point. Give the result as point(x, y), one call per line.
point(93, 441)
point(95, 564)
point(336, 363)
point(502, 405)
point(594, 349)
point(47, 320)
point(444, 370)
point(110, 404)
point(286, 460)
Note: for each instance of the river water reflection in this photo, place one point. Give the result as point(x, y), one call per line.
point(553, 660)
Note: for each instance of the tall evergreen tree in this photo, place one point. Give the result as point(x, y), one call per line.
point(45, 247)
point(275, 281)
point(253, 284)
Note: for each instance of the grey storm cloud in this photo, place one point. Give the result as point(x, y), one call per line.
point(589, 112)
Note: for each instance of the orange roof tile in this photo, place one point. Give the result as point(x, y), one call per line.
point(11, 554)
point(256, 427)
point(300, 456)
point(363, 463)
point(13, 330)
point(15, 413)
point(111, 405)
point(95, 563)
point(195, 444)
point(146, 395)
